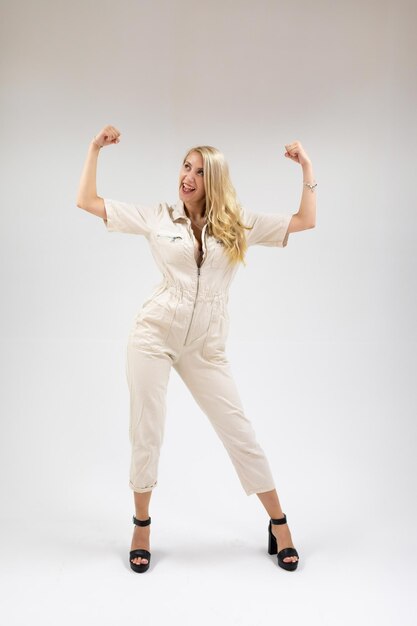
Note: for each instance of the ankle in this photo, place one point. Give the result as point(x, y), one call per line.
point(277, 516)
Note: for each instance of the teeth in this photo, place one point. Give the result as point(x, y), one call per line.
point(188, 188)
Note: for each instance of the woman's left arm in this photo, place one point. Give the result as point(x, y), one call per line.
point(306, 216)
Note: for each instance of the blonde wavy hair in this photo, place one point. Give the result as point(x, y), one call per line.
point(223, 210)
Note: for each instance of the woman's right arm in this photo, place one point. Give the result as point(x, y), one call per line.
point(87, 197)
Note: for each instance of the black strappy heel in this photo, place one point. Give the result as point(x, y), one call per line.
point(140, 552)
point(273, 547)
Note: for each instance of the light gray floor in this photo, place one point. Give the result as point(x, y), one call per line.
point(207, 568)
point(341, 448)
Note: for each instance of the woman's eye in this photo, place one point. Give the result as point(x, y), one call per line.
point(187, 167)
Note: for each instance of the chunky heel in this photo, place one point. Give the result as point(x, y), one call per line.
point(272, 541)
point(285, 552)
point(140, 552)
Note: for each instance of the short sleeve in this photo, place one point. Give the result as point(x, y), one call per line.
point(125, 217)
point(269, 229)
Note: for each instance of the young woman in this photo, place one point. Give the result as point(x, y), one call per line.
point(198, 244)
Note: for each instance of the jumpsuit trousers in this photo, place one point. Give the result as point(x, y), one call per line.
point(184, 324)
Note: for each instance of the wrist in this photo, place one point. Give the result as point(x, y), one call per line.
point(94, 143)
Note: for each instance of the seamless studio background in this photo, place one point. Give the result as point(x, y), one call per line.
point(322, 336)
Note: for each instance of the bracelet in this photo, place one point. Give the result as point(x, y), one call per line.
point(310, 186)
point(98, 145)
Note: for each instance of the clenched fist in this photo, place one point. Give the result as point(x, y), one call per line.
point(296, 152)
point(107, 136)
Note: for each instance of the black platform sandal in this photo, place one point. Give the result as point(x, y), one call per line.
point(273, 548)
point(140, 552)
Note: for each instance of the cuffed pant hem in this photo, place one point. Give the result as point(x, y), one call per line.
point(249, 492)
point(142, 489)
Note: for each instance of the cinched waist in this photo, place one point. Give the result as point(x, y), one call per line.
point(202, 293)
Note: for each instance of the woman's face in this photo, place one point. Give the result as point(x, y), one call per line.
point(191, 179)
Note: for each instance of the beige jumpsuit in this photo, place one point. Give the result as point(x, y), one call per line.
point(184, 323)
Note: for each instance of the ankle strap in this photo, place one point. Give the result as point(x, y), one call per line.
point(280, 520)
point(140, 522)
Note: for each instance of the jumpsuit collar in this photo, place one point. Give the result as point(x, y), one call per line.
point(178, 211)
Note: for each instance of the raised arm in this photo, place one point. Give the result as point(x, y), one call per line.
point(306, 216)
point(87, 197)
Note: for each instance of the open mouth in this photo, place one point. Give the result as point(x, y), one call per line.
point(186, 189)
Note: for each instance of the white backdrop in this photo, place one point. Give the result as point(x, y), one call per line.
point(322, 335)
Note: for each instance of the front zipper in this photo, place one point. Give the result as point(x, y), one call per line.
point(198, 270)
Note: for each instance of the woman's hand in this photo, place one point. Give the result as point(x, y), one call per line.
point(296, 152)
point(107, 136)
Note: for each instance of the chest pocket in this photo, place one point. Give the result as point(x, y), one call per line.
point(216, 253)
point(170, 246)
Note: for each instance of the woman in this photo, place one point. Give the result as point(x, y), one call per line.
point(198, 244)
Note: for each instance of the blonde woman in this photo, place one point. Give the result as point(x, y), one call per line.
point(198, 244)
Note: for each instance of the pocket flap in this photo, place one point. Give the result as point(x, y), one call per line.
point(168, 233)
